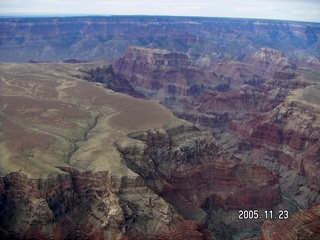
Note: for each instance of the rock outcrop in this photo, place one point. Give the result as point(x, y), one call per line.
point(109, 79)
point(253, 69)
point(209, 97)
point(156, 72)
point(268, 60)
point(149, 216)
point(286, 141)
point(86, 205)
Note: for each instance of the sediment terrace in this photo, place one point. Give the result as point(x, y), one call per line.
point(46, 114)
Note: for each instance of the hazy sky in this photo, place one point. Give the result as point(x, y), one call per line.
point(301, 10)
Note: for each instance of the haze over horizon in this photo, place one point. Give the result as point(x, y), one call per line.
point(296, 10)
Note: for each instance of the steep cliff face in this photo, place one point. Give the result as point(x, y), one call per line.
point(269, 60)
point(286, 141)
point(190, 172)
point(260, 115)
point(175, 73)
point(253, 69)
point(216, 110)
point(86, 205)
point(149, 216)
point(75, 205)
point(106, 76)
point(287, 126)
point(155, 71)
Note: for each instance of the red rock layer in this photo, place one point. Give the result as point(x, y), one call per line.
point(287, 134)
point(78, 205)
point(305, 224)
point(149, 70)
point(149, 216)
point(188, 170)
point(83, 205)
point(203, 96)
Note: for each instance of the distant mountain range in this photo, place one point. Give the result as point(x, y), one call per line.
point(204, 40)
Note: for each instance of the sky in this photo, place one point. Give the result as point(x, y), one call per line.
point(298, 10)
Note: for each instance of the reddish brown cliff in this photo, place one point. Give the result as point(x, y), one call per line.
point(51, 191)
point(189, 170)
point(148, 216)
point(152, 70)
point(67, 206)
point(196, 93)
point(256, 113)
point(271, 121)
point(86, 205)
point(288, 134)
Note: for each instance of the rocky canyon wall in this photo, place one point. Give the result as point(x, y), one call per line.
point(75, 205)
point(267, 114)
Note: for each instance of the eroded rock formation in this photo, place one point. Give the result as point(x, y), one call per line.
point(268, 115)
point(153, 71)
point(189, 171)
point(75, 205)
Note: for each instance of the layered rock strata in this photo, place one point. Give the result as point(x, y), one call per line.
point(156, 71)
point(246, 108)
point(74, 205)
point(209, 97)
point(149, 216)
point(189, 171)
point(267, 114)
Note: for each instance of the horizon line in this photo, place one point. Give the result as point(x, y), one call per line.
point(66, 15)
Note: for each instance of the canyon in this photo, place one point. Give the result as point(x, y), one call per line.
point(158, 128)
point(263, 109)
